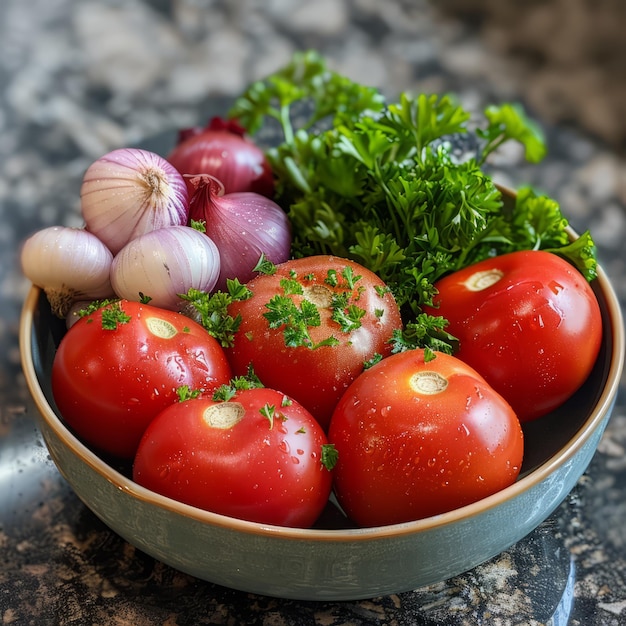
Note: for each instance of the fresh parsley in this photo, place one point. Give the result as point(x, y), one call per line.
point(381, 183)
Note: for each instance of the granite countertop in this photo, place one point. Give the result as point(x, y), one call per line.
point(80, 78)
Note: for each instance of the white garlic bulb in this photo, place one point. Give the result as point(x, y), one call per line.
point(69, 264)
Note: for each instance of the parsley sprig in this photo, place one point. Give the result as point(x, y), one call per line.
point(296, 320)
point(112, 313)
point(212, 312)
point(381, 182)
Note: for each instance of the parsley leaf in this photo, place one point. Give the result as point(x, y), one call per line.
point(427, 332)
point(269, 412)
point(184, 393)
point(348, 317)
point(509, 121)
point(330, 456)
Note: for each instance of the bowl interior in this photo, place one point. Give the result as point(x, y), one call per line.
point(333, 560)
point(548, 441)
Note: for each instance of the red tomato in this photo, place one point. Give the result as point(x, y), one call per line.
point(309, 328)
point(109, 383)
point(528, 322)
point(417, 438)
point(257, 456)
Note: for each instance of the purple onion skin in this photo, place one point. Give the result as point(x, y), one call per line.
point(222, 150)
point(243, 225)
point(129, 192)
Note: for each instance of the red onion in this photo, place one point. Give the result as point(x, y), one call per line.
point(222, 150)
point(243, 225)
point(130, 192)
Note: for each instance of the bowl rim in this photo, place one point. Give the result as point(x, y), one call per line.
point(523, 484)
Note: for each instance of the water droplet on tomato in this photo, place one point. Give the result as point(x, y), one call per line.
point(177, 367)
point(201, 360)
point(555, 287)
point(295, 460)
point(164, 471)
point(300, 451)
point(284, 446)
point(537, 321)
point(385, 411)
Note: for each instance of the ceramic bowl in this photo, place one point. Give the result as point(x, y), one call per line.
point(332, 561)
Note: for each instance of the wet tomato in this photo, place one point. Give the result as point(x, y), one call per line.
point(528, 322)
point(310, 327)
point(120, 365)
point(256, 456)
point(417, 438)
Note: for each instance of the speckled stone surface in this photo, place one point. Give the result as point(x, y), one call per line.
point(79, 78)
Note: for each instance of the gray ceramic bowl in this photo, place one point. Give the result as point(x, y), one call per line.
point(332, 562)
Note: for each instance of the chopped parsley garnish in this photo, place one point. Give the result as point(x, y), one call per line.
point(186, 393)
point(268, 411)
point(228, 391)
point(330, 455)
point(265, 266)
point(212, 310)
point(111, 311)
point(295, 321)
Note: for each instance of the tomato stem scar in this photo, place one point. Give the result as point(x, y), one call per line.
point(223, 415)
point(319, 295)
point(481, 280)
point(161, 328)
point(428, 383)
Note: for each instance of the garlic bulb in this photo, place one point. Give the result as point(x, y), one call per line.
point(165, 263)
point(69, 264)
